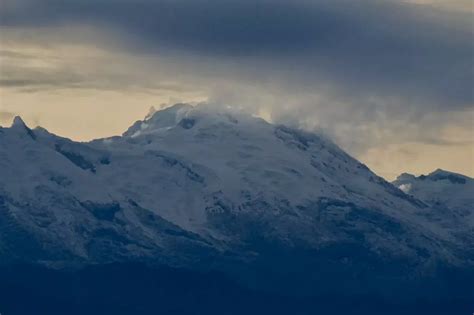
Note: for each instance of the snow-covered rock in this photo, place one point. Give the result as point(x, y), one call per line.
point(444, 190)
point(205, 186)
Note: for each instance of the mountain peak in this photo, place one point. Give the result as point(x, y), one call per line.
point(18, 122)
point(170, 114)
point(19, 125)
point(437, 175)
point(454, 178)
point(157, 119)
point(440, 171)
point(406, 176)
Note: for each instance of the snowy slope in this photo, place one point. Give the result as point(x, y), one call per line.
point(190, 185)
point(442, 189)
point(54, 207)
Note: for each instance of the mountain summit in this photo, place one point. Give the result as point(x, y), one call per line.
point(165, 118)
point(442, 190)
point(279, 209)
point(19, 126)
point(18, 122)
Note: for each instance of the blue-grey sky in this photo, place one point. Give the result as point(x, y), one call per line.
point(388, 80)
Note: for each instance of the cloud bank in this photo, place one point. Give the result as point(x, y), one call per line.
point(368, 72)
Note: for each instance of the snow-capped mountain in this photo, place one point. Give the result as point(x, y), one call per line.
point(217, 189)
point(442, 189)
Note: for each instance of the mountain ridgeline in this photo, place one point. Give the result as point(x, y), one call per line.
point(198, 210)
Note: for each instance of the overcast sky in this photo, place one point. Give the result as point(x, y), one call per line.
point(390, 81)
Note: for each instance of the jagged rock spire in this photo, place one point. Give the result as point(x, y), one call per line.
point(18, 122)
point(20, 125)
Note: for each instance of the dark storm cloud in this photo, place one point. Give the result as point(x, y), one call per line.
point(19, 70)
point(357, 49)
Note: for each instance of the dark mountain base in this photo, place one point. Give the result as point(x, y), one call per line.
point(138, 289)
